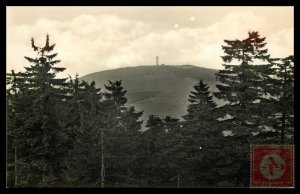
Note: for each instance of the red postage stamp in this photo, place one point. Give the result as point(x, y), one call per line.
point(272, 166)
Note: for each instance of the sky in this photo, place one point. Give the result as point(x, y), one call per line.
point(92, 39)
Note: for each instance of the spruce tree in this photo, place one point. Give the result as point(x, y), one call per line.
point(241, 83)
point(281, 90)
point(82, 165)
point(202, 136)
point(120, 128)
point(42, 136)
point(19, 106)
point(174, 154)
point(131, 126)
point(152, 141)
point(242, 88)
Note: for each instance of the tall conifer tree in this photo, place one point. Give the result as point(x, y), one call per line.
point(44, 142)
point(242, 85)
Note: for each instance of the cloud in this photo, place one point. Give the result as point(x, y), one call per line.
point(281, 43)
point(89, 43)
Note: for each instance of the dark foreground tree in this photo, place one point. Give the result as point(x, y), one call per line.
point(18, 108)
point(82, 164)
point(281, 103)
point(242, 86)
point(121, 127)
point(204, 140)
point(41, 137)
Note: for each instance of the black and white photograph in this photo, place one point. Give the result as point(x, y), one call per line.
point(150, 97)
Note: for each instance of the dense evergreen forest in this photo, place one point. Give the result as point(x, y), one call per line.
point(62, 132)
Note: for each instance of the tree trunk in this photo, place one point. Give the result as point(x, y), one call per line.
point(282, 128)
point(16, 167)
point(102, 161)
point(178, 179)
point(43, 174)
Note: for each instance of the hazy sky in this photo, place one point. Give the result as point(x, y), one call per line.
point(90, 39)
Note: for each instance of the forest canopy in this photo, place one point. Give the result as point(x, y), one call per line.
point(66, 132)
